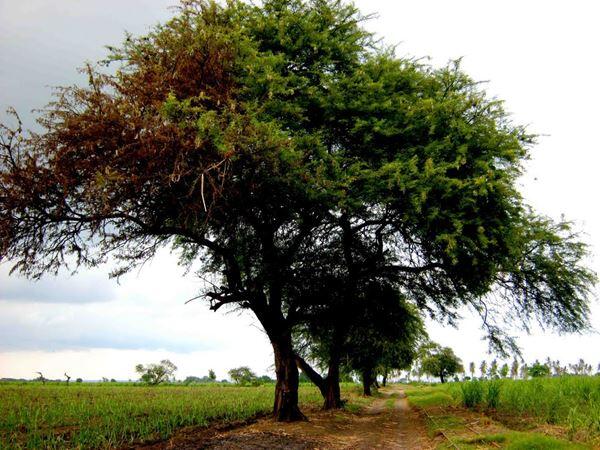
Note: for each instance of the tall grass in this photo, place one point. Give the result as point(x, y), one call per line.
point(104, 415)
point(571, 401)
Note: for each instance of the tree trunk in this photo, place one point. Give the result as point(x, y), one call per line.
point(367, 382)
point(333, 399)
point(285, 407)
point(329, 386)
point(385, 377)
point(442, 377)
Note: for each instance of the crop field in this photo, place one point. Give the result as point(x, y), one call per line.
point(106, 415)
point(562, 412)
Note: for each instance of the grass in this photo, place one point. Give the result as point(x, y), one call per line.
point(569, 406)
point(570, 401)
point(108, 415)
point(520, 441)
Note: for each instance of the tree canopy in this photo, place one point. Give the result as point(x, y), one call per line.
point(252, 139)
point(441, 362)
point(156, 373)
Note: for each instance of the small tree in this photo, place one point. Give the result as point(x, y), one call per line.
point(242, 375)
point(442, 362)
point(78, 380)
point(483, 368)
point(67, 377)
point(154, 374)
point(504, 370)
point(538, 370)
point(472, 369)
point(41, 378)
point(494, 369)
point(581, 368)
point(211, 375)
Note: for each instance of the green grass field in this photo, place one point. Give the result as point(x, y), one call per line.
point(570, 404)
point(110, 415)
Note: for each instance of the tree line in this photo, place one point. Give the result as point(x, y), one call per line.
point(307, 174)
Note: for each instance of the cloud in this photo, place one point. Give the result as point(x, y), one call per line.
point(86, 287)
point(49, 327)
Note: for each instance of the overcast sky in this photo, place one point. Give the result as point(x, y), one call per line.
point(540, 57)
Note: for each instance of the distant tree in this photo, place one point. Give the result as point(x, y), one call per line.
point(41, 378)
point(212, 375)
point(154, 374)
point(581, 368)
point(67, 377)
point(538, 370)
point(514, 369)
point(104, 380)
point(242, 375)
point(493, 371)
point(265, 379)
point(557, 368)
point(78, 380)
point(483, 368)
point(472, 369)
point(112, 380)
point(192, 379)
point(442, 362)
point(504, 370)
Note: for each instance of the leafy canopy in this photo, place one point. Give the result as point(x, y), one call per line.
point(156, 373)
point(247, 136)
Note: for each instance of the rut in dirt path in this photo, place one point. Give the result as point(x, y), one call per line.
point(388, 423)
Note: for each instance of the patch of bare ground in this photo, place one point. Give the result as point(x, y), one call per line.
point(388, 423)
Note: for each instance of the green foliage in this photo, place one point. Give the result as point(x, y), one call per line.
point(154, 374)
point(538, 370)
point(441, 362)
point(243, 375)
point(472, 393)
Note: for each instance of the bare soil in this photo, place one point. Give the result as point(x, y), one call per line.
point(388, 423)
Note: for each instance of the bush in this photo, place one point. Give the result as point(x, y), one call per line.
point(472, 393)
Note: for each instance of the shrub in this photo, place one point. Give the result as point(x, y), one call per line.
point(472, 393)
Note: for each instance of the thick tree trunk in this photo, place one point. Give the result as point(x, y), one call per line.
point(285, 407)
point(442, 377)
point(367, 380)
point(333, 399)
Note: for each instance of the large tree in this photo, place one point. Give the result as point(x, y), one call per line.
point(247, 136)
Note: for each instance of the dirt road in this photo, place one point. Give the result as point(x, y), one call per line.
point(388, 423)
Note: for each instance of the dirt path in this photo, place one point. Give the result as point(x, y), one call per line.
point(388, 423)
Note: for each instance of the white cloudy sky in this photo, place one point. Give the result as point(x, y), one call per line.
point(541, 57)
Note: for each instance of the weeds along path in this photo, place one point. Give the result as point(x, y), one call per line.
point(387, 423)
